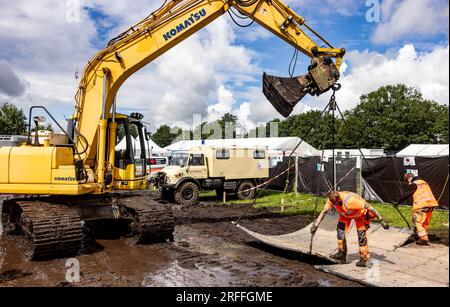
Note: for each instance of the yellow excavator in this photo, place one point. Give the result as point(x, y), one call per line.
point(51, 190)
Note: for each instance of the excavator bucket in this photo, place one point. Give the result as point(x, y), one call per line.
point(285, 93)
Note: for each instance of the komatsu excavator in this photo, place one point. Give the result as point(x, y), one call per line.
point(53, 189)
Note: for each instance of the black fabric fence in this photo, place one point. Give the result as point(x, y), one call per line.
point(380, 179)
point(384, 177)
point(314, 176)
point(279, 183)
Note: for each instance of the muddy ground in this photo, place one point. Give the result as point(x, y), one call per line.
point(208, 251)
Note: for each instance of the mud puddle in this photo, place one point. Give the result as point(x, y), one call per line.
point(208, 251)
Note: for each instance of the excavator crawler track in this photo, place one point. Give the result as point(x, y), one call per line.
point(151, 221)
point(44, 230)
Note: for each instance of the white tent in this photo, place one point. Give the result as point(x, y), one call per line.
point(134, 143)
point(154, 148)
point(424, 150)
point(279, 144)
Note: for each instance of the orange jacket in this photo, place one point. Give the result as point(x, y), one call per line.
point(353, 205)
point(423, 197)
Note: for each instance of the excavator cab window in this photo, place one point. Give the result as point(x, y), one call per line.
point(130, 146)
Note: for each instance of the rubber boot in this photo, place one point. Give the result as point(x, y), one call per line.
point(423, 242)
point(361, 263)
point(340, 256)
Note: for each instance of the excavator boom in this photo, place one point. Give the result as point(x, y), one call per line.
point(170, 25)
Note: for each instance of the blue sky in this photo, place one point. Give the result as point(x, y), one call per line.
point(220, 68)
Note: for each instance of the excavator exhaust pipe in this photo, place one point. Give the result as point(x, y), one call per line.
point(285, 93)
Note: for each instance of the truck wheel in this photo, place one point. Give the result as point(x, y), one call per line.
point(246, 190)
point(187, 194)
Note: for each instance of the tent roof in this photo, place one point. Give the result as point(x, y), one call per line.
point(155, 147)
point(287, 144)
point(424, 150)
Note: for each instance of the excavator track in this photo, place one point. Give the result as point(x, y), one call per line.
point(44, 230)
point(52, 228)
point(151, 221)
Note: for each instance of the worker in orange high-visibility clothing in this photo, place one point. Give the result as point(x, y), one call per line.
point(423, 204)
point(350, 206)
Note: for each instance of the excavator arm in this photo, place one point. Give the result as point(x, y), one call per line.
point(281, 20)
point(175, 21)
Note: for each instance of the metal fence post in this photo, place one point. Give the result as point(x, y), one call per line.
point(296, 175)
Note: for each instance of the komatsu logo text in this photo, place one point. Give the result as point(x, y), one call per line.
point(185, 24)
point(65, 179)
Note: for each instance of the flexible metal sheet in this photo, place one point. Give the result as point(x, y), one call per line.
point(325, 241)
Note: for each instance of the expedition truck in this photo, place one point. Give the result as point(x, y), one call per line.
point(233, 170)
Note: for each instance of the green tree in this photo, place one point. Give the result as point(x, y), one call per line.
point(440, 127)
point(12, 120)
point(210, 129)
point(163, 136)
point(228, 121)
point(393, 117)
point(204, 131)
point(313, 128)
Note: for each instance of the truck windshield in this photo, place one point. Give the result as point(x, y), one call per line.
point(179, 159)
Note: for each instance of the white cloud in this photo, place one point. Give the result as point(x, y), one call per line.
point(36, 36)
point(44, 50)
point(10, 83)
point(224, 104)
point(190, 77)
point(367, 71)
point(207, 74)
point(411, 18)
point(363, 72)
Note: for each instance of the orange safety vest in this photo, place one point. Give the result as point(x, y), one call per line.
point(353, 205)
point(423, 197)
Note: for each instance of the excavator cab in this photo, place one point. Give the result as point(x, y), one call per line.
point(285, 93)
point(126, 152)
point(130, 153)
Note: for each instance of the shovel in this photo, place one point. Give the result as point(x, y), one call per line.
point(285, 93)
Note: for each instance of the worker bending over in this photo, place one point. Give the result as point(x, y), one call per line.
point(350, 206)
point(423, 204)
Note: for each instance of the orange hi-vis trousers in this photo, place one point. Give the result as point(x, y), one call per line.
point(421, 220)
point(362, 225)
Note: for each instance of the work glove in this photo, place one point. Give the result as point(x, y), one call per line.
point(314, 228)
point(384, 224)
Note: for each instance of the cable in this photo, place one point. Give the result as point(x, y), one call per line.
point(371, 169)
point(293, 63)
point(443, 189)
point(123, 34)
point(246, 3)
point(237, 15)
point(287, 177)
point(397, 171)
point(157, 10)
point(83, 138)
point(237, 23)
point(289, 157)
point(311, 242)
point(314, 219)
